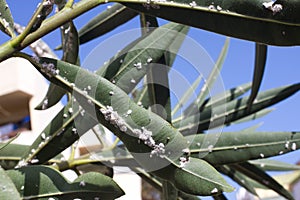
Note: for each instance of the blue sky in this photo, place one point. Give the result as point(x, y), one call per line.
point(283, 66)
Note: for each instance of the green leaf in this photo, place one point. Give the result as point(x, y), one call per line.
point(131, 64)
point(235, 110)
point(6, 19)
point(70, 40)
point(232, 18)
point(227, 96)
point(186, 95)
point(11, 154)
point(8, 189)
point(236, 147)
point(252, 128)
point(199, 102)
point(53, 96)
point(198, 172)
point(221, 98)
point(253, 116)
point(238, 177)
point(274, 165)
point(259, 69)
point(158, 89)
point(152, 180)
point(170, 55)
point(135, 130)
point(106, 21)
point(261, 177)
point(213, 75)
point(44, 182)
point(158, 81)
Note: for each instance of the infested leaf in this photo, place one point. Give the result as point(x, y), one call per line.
point(132, 63)
point(232, 18)
point(236, 147)
point(235, 110)
point(162, 132)
point(65, 125)
point(199, 172)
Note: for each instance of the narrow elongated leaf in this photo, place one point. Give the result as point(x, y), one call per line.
point(213, 75)
point(153, 142)
point(170, 55)
point(263, 178)
point(186, 95)
point(70, 40)
point(106, 21)
point(196, 106)
point(158, 89)
point(252, 128)
point(135, 61)
point(158, 185)
point(53, 96)
point(274, 165)
point(8, 189)
point(198, 172)
point(45, 182)
point(273, 23)
point(235, 110)
point(253, 116)
point(6, 19)
point(228, 95)
point(238, 177)
point(236, 147)
point(259, 69)
point(219, 99)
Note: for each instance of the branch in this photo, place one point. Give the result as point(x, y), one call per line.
point(60, 18)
